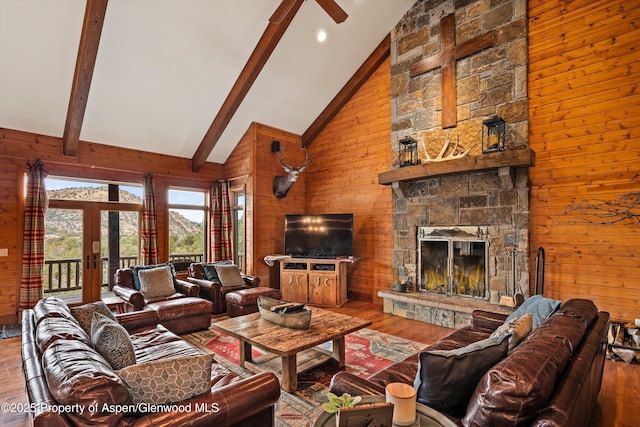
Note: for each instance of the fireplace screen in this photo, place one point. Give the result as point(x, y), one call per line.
point(453, 261)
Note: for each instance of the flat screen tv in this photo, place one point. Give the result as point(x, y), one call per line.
point(318, 235)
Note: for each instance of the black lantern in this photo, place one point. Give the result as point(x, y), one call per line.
point(408, 152)
point(493, 135)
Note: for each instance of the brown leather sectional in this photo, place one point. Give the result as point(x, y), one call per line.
point(550, 379)
point(61, 368)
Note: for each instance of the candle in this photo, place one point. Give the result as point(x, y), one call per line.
point(403, 397)
point(493, 140)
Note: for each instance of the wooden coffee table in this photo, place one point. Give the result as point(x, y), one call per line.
point(325, 326)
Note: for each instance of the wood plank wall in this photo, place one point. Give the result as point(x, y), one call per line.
point(238, 169)
point(265, 212)
point(94, 161)
point(343, 178)
point(268, 222)
point(584, 108)
point(10, 233)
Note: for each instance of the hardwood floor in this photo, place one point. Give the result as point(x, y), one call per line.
point(618, 402)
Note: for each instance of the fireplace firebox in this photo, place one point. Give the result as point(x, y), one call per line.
point(454, 260)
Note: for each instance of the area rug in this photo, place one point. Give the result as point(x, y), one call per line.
point(367, 352)
point(10, 331)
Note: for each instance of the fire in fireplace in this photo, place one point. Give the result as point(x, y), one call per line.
point(453, 260)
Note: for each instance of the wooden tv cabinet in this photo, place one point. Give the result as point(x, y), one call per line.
point(320, 282)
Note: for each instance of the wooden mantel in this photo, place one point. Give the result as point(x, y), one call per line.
point(521, 157)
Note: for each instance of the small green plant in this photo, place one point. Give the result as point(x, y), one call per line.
point(335, 403)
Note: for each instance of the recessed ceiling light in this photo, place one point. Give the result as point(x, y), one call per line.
point(322, 36)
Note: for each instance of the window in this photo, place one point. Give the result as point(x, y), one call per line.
point(237, 209)
point(187, 225)
point(90, 191)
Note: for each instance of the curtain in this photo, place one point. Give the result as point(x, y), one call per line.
point(149, 250)
point(35, 208)
point(221, 223)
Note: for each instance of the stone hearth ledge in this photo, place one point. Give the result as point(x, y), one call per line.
point(441, 310)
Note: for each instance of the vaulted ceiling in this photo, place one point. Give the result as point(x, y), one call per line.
point(183, 77)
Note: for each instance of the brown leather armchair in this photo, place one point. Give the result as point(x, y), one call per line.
point(184, 311)
point(213, 290)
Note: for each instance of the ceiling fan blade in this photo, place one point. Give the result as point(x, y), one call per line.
point(281, 11)
point(334, 11)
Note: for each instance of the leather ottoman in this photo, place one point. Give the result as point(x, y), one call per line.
point(245, 301)
point(182, 315)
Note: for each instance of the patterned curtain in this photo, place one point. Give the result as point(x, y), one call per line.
point(149, 248)
point(33, 237)
point(221, 223)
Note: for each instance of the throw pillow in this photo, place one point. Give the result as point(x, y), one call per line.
point(156, 282)
point(446, 379)
point(167, 381)
point(516, 329)
point(229, 275)
point(539, 307)
point(112, 341)
point(136, 270)
point(210, 270)
point(84, 314)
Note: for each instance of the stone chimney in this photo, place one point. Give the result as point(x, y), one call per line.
point(489, 82)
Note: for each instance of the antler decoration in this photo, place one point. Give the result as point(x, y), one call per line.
point(452, 155)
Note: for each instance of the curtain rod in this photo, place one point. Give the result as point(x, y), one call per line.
point(234, 178)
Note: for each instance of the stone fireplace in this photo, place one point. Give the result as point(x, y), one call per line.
point(460, 221)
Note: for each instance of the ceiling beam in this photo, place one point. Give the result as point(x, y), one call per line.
point(263, 50)
point(380, 53)
point(85, 63)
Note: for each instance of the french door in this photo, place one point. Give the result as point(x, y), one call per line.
point(85, 242)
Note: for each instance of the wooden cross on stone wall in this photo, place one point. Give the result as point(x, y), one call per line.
point(450, 52)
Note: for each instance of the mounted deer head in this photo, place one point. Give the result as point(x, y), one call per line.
point(282, 184)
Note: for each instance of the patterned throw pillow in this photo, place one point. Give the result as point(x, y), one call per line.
point(112, 341)
point(156, 282)
point(84, 314)
point(168, 381)
point(516, 329)
point(229, 275)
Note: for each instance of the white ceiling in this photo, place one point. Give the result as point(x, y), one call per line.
point(164, 67)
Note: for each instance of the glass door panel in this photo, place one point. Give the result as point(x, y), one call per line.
point(63, 249)
point(119, 243)
point(434, 272)
point(469, 268)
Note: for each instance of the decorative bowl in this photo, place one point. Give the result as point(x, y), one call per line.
point(400, 287)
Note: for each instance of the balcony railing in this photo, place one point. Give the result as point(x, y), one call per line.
point(65, 275)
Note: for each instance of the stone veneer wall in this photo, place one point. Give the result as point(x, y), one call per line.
point(496, 198)
point(490, 82)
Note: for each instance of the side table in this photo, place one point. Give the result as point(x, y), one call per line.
point(426, 416)
point(115, 303)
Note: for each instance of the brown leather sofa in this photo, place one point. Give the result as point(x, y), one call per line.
point(184, 311)
point(62, 368)
point(552, 378)
point(213, 290)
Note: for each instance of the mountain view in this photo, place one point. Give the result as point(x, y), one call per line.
point(63, 226)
